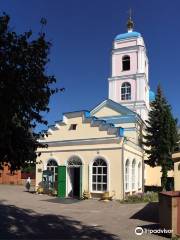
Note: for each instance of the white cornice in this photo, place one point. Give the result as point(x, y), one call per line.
point(128, 76)
point(132, 102)
point(127, 49)
point(132, 39)
point(92, 141)
point(136, 104)
point(81, 149)
point(95, 149)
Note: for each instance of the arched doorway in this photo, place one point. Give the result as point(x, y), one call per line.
point(74, 169)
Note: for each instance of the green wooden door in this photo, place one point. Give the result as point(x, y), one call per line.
point(80, 183)
point(62, 181)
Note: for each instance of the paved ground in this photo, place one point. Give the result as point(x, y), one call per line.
point(25, 215)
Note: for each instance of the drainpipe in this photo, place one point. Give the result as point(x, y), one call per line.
point(123, 167)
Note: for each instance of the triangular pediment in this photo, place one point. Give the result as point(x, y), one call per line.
point(109, 108)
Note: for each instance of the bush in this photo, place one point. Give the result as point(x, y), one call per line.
point(141, 197)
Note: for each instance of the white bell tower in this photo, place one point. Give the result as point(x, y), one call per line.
point(129, 84)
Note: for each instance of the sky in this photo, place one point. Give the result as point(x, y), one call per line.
point(82, 33)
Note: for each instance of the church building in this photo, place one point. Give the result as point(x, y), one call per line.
point(100, 151)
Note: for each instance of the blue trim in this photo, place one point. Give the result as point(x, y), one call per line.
point(118, 121)
point(121, 131)
point(87, 114)
point(127, 35)
point(119, 117)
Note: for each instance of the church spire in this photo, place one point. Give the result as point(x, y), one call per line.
point(130, 23)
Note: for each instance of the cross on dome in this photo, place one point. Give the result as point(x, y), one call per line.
point(130, 23)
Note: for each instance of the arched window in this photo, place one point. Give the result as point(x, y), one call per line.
point(99, 175)
point(133, 174)
point(139, 175)
point(53, 167)
point(126, 63)
point(127, 175)
point(126, 91)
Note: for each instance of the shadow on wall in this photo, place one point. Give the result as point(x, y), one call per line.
point(19, 223)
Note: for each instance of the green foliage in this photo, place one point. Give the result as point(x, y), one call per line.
point(161, 136)
point(24, 93)
point(141, 197)
point(30, 168)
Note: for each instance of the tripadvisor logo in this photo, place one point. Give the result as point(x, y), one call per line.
point(139, 231)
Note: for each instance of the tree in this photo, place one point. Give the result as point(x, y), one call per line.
point(161, 136)
point(25, 91)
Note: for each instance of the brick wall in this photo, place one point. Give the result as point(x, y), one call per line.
point(7, 178)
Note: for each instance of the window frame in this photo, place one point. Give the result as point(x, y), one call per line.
point(99, 174)
point(126, 63)
point(55, 169)
point(73, 127)
point(139, 175)
point(133, 175)
point(126, 91)
point(127, 176)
